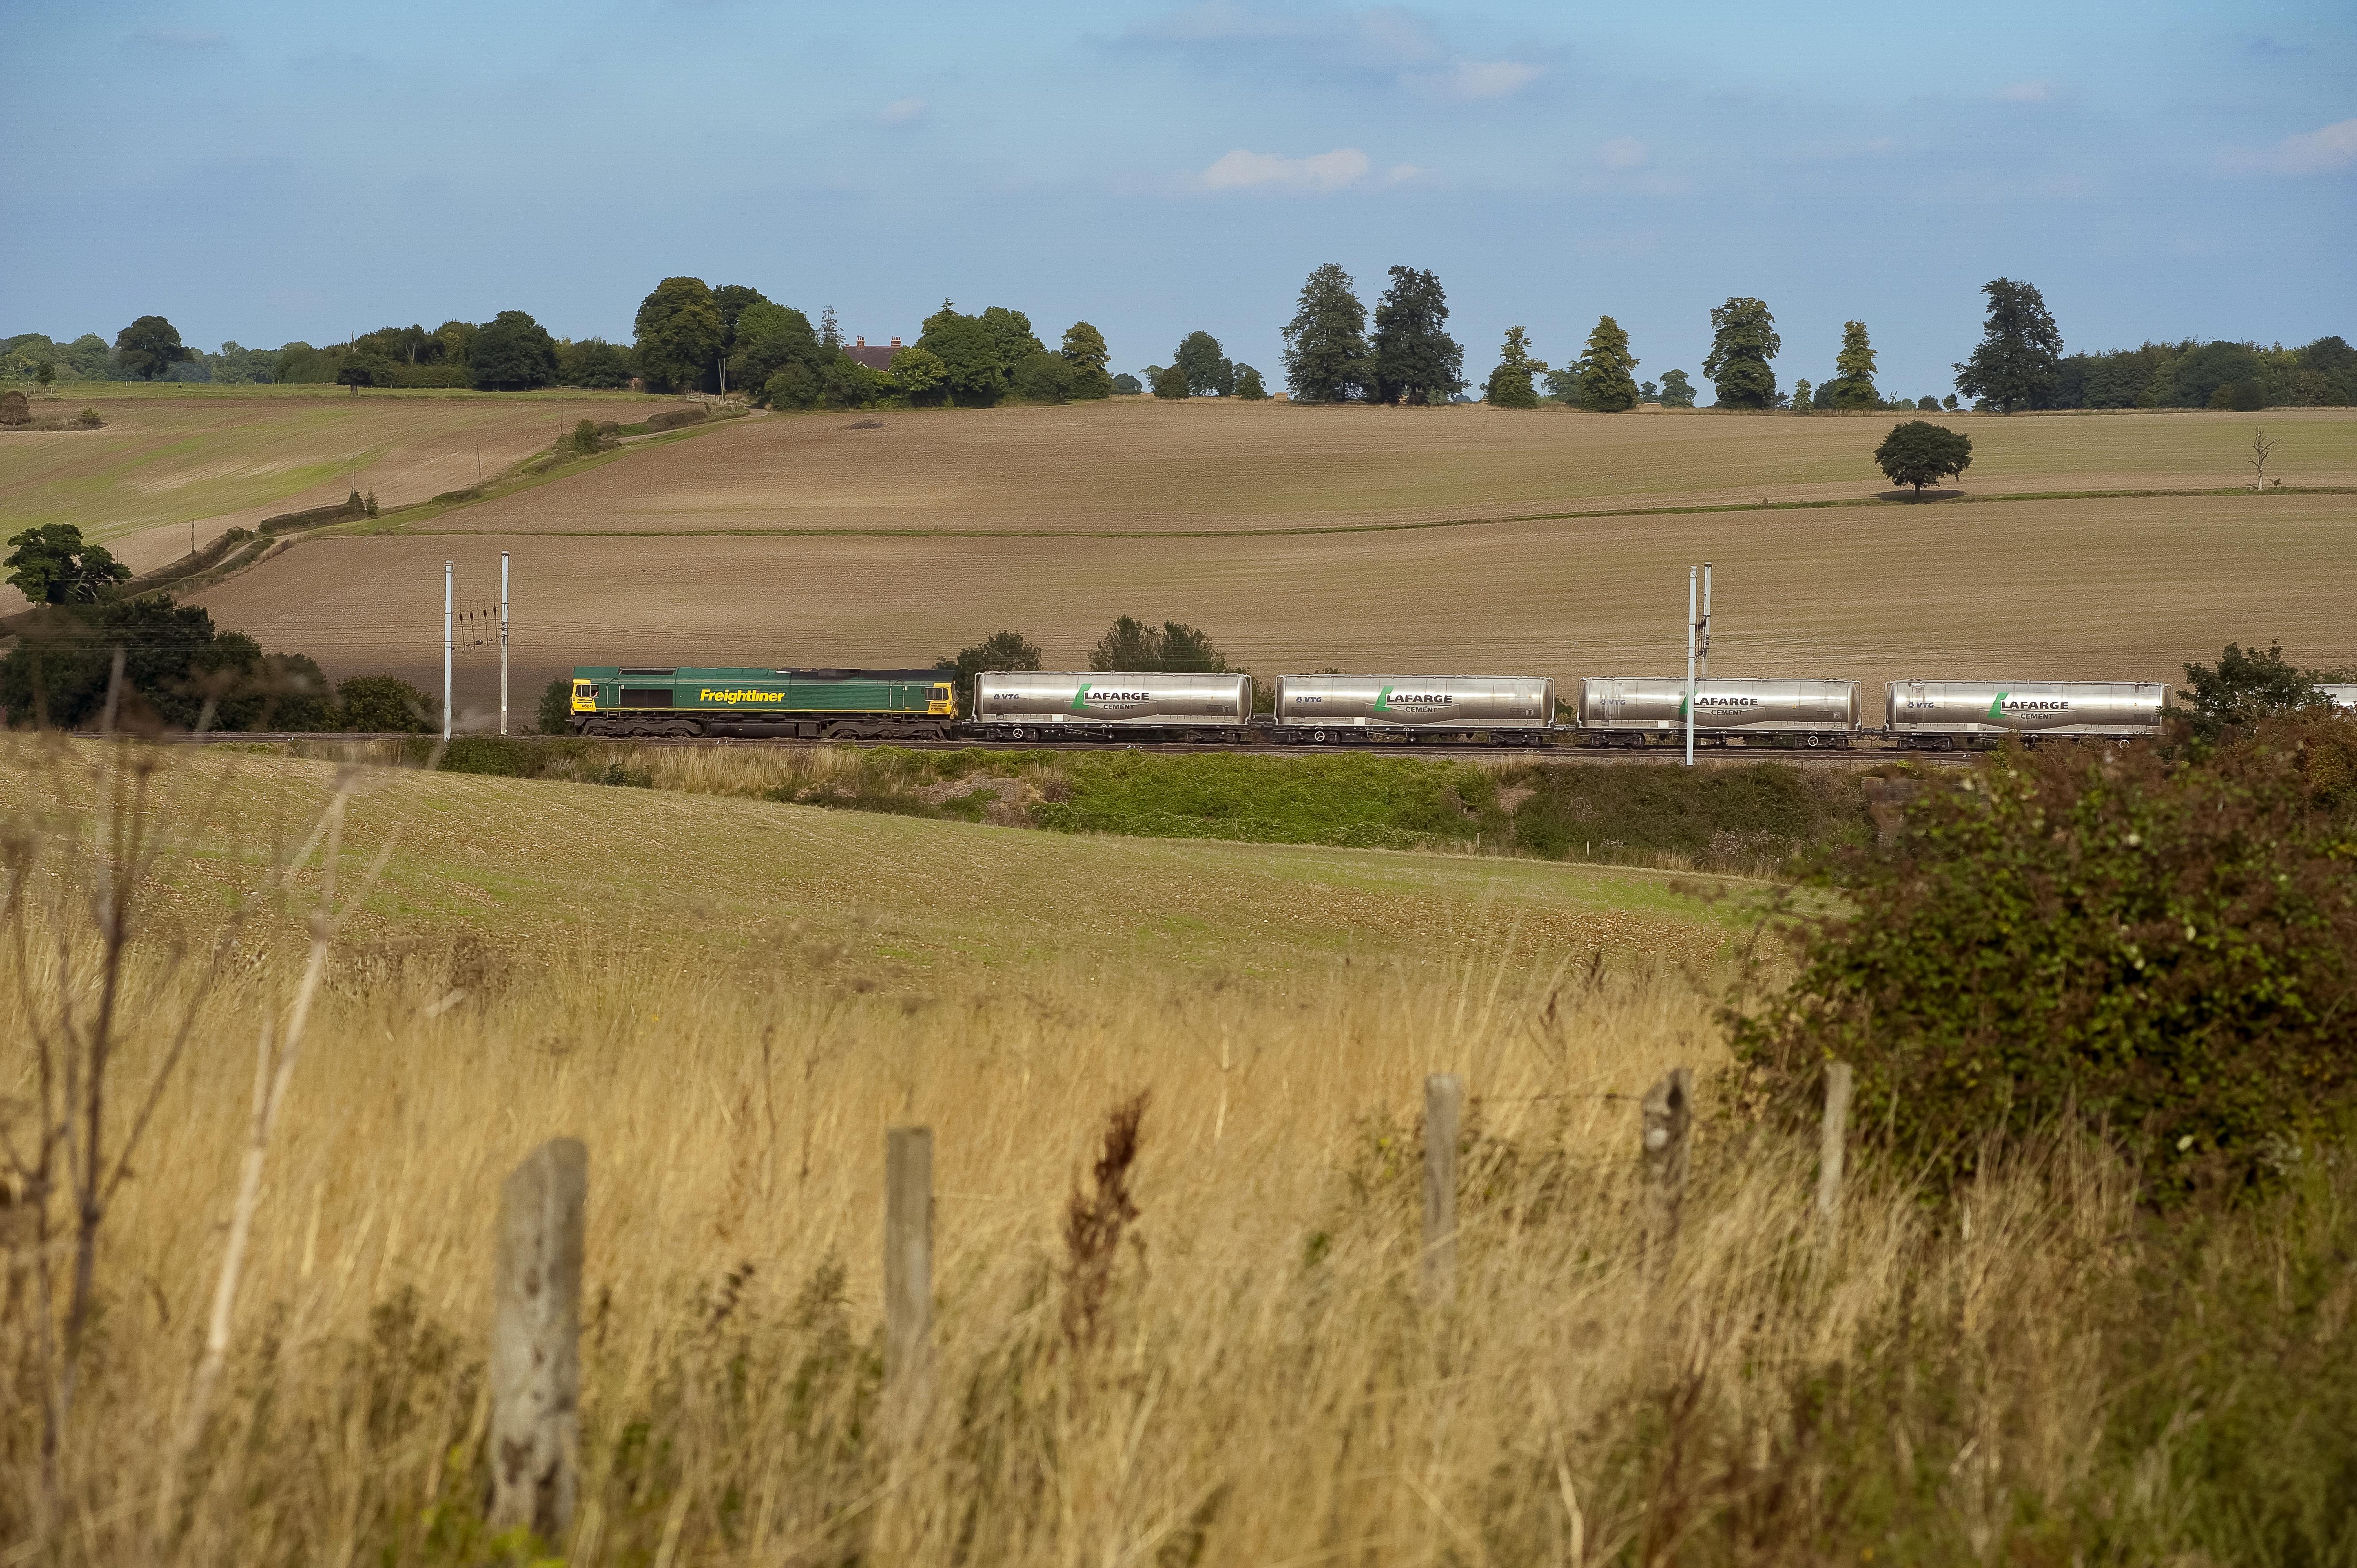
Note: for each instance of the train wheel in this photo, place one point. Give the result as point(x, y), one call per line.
point(1813, 742)
point(1317, 735)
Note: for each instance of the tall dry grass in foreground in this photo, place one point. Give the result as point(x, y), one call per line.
point(1259, 1383)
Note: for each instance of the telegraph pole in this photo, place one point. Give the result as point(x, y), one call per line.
point(1690, 584)
point(503, 642)
point(445, 649)
point(1703, 661)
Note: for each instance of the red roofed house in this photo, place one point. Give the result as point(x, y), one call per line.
point(874, 359)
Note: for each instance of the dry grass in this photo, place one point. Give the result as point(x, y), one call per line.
point(2116, 589)
point(1263, 1387)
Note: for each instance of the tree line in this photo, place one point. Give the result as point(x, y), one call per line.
point(689, 337)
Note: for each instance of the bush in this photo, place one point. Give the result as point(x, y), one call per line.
point(16, 409)
point(794, 386)
point(87, 419)
point(674, 418)
point(556, 707)
point(2164, 946)
point(1171, 383)
point(383, 704)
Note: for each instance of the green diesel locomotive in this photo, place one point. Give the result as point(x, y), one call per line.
point(824, 704)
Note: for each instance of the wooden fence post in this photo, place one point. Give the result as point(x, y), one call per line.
point(1444, 1102)
point(1668, 1117)
point(908, 1267)
point(1832, 1140)
point(535, 1369)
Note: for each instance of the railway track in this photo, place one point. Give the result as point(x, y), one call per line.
point(1705, 752)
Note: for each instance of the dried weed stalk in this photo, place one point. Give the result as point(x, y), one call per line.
point(1096, 1221)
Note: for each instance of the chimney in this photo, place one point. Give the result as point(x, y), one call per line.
point(896, 342)
point(859, 342)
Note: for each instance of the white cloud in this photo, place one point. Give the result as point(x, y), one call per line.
point(1400, 174)
point(1472, 81)
point(2030, 92)
point(1383, 44)
point(903, 112)
point(1624, 152)
point(1242, 170)
point(2326, 150)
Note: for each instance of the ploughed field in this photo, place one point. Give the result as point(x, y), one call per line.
point(228, 456)
point(2112, 589)
point(1413, 540)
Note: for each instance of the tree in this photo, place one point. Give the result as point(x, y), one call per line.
point(1084, 349)
point(1927, 405)
point(1011, 332)
point(1128, 385)
point(678, 333)
point(769, 337)
point(1803, 401)
point(174, 663)
point(1511, 385)
point(358, 371)
point(513, 353)
point(2017, 363)
point(1208, 372)
point(556, 707)
point(1325, 343)
point(1131, 644)
point(795, 384)
point(1000, 651)
point(16, 409)
point(1647, 392)
point(1415, 359)
point(732, 300)
point(918, 375)
point(1249, 388)
point(1919, 453)
point(1044, 378)
point(383, 705)
point(845, 383)
point(49, 564)
point(1170, 381)
point(969, 350)
point(1605, 384)
point(1853, 382)
point(1676, 391)
point(45, 372)
point(594, 364)
point(149, 347)
point(2242, 688)
point(1743, 340)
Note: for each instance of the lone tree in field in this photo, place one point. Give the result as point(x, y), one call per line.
point(1208, 372)
point(149, 347)
point(678, 331)
point(1514, 384)
point(2020, 354)
point(51, 565)
point(1084, 349)
point(1249, 386)
point(1853, 382)
point(1743, 340)
point(1919, 453)
point(1676, 391)
point(1605, 383)
point(1416, 361)
point(1325, 342)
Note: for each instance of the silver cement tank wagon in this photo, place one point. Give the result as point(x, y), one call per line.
point(1818, 712)
point(1337, 707)
point(1951, 709)
point(1021, 703)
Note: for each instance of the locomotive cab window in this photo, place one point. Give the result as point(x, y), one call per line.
point(941, 694)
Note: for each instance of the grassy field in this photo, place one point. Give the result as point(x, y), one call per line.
point(222, 457)
point(731, 1001)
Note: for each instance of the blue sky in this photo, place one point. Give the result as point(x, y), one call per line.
point(267, 172)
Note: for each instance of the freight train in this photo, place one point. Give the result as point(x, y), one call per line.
point(1329, 709)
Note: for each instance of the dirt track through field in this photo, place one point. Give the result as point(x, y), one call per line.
point(2113, 589)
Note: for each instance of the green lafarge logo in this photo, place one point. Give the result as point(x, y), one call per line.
point(1995, 708)
point(1080, 699)
point(1383, 701)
